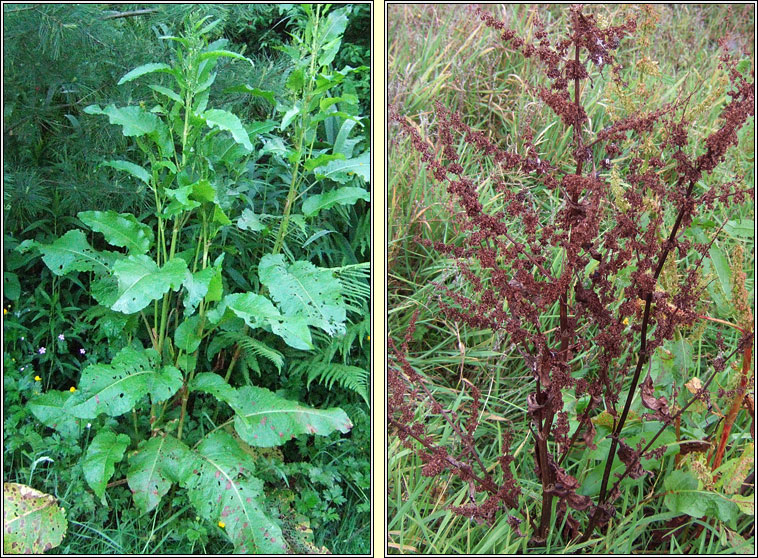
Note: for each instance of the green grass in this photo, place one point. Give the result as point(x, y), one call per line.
point(443, 53)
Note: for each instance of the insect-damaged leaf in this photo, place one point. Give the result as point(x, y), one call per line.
point(115, 388)
point(140, 281)
point(258, 311)
point(157, 464)
point(264, 419)
point(304, 290)
point(50, 410)
point(72, 252)
point(105, 450)
point(222, 488)
point(32, 520)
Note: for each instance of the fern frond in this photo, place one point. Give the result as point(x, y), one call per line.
point(356, 286)
point(327, 373)
point(252, 348)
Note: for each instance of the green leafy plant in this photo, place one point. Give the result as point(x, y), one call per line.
point(169, 271)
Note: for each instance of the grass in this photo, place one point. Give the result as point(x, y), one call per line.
point(443, 53)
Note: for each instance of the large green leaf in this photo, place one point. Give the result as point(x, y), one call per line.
point(135, 170)
point(342, 171)
point(33, 523)
point(186, 337)
point(134, 120)
point(50, 409)
point(306, 291)
point(198, 285)
point(265, 419)
point(72, 252)
point(164, 383)
point(140, 281)
point(105, 450)
point(341, 196)
point(120, 229)
point(115, 388)
point(159, 462)
point(145, 69)
point(229, 122)
point(208, 382)
point(683, 495)
point(223, 490)
point(331, 35)
point(258, 311)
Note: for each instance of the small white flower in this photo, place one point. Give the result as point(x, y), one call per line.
point(89, 425)
point(82, 351)
point(61, 337)
point(42, 350)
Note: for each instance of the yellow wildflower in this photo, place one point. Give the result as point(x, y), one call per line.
point(72, 389)
point(37, 379)
point(221, 524)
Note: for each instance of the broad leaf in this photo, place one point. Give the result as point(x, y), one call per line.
point(306, 291)
point(33, 523)
point(72, 252)
point(145, 69)
point(115, 388)
point(264, 419)
point(164, 383)
point(50, 408)
point(140, 281)
point(343, 144)
point(268, 95)
point(222, 489)
point(224, 53)
point(186, 337)
point(170, 93)
point(105, 450)
point(684, 496)
point(135, 170)
point(331, 35)
point(157, 464)
point(229, 122)
point(208, 382)
point(342, 171)
point(197, 285)
point(134, 120)
point(119, 229)
point(249, 221)
point(341, 196)
point(258, 311)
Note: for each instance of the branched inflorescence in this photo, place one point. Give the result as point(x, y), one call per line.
point(598, 237)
